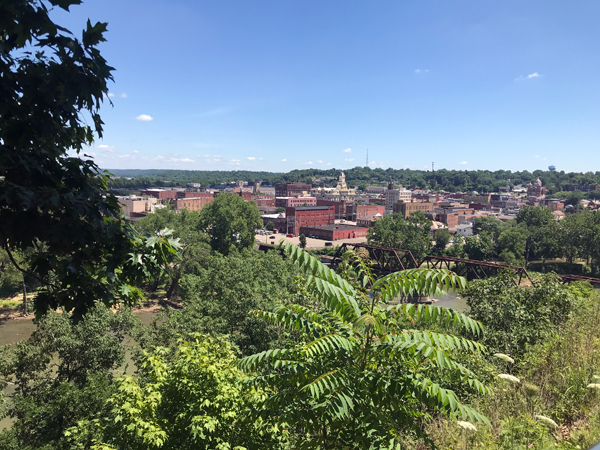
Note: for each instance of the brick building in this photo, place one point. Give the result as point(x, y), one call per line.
point(450, 219)
point(291, 189)
point(193, 203)
point(161, 194)
point(406, 208)
point(293, 202)
point(305, 216)
point(356, 212)
point(339, 207)
point(334, 232)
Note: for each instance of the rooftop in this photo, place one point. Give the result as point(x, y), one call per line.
point(335, 227)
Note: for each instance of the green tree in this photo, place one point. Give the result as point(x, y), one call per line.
point(411, 234)
point(194, 247)
point(536, 219)
point(516, 316)
point(302, 239)
point(490, 225)
point(270, 226)
point(188, 398)
point(63, 374)
point(361, 373)
point(280, 210)
point(442, 239)
point(480, 247)
point(511, 245)
point(218, 300)
point(230, 223)
point(55, 207)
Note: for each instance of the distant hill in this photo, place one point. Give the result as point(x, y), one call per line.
point(442, 179)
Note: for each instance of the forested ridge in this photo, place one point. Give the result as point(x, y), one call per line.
point(483, 181)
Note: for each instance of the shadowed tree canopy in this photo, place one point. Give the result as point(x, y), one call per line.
point(54, 202)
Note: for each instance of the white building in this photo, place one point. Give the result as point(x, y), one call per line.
point(465, 229)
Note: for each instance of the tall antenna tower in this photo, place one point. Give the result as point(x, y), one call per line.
point(432, 168)
point(367, 164)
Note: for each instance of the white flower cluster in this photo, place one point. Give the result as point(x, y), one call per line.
point(547, 420)
point(504, 357)
point(508, 377)
point(466, 425)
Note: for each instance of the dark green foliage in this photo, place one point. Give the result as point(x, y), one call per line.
point(218, 300)
point(63, 373)
point(302, 239)
point(409, 234)
point(270, 226)
point(194, 247)
point(55, 207)
point(442, 239)
point(230, 223)
point(517, 316)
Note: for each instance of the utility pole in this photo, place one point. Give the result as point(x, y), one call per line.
point(367, 164)
point(432, 169)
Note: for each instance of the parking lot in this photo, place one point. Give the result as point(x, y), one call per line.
point(310, 242)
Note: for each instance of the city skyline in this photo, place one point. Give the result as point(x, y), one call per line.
point(278, 86)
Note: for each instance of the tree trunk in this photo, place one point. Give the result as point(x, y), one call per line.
point(24, 297)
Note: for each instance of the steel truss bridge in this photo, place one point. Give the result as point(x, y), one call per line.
point(388, 260)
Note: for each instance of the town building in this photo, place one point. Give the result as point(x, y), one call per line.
point(536, 189)
point(407, 208)
point(356, 212)
point(368, 221)
point(292, 202)
point(378, 190)
point(291, 189)
point(161, 194)
point(339, 206)
point(465, 229)
point(334, 232)
point(340, 193)
point(306, 216)
point(135, 207)
point(196, 203)
point(393, 196)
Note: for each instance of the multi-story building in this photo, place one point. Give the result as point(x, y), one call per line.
point(407, 208)
point(536, 189)
point(161, 194)
point(193, 203)
point(135, 207)
point(356, 212)
point(393, 196)
point(306, 216)
point(339, 206)
point(340, 193)
point(289, 202)
point(291, 189)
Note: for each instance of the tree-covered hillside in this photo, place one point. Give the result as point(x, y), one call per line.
point(449, 180)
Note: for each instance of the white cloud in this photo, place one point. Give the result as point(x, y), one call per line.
point(235, 160)
point(135, 151)
point(123, 95)
point(328, 164)
point(111, 95)
point(544, 159)
point(320, 162)
point(106, 148)
point(421, 70)
point(531, 76)
point(351, 159)
point(181, 160)
point(310, 162)
point(251, 158)
point(464, 162)
point(348, 150)
point(283, 160)
point(144, 118)
point(159, 158)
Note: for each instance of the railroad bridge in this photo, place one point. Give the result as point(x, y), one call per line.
point(388, 260)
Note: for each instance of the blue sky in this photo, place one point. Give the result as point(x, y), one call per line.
point(278, 85)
